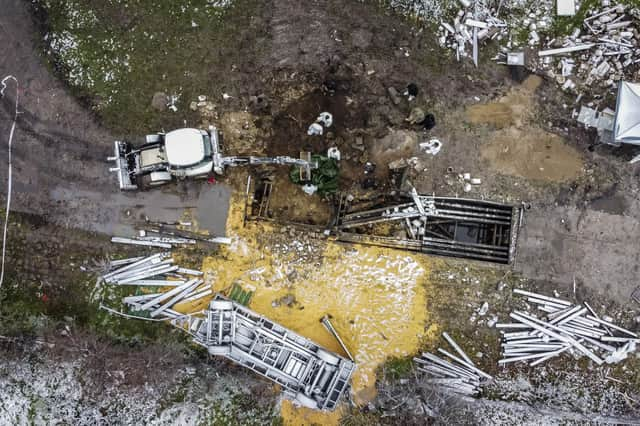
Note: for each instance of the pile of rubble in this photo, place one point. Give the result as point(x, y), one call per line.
point(475, 22)
point(602, 53)
point(565, 327)
point(459, 376)
point(157, 270)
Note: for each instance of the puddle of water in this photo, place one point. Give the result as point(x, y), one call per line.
point(91, 210)
point(614, 204)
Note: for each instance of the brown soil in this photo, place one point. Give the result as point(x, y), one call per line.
point(532, 153)
point(289, 202)
point(511, 110)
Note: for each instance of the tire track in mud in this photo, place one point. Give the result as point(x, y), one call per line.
point(60, 155)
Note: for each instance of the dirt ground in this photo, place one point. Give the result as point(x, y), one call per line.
point(580, 228)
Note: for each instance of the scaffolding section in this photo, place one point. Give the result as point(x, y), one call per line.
point(312, 376)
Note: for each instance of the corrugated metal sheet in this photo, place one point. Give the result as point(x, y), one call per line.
point(627, 124)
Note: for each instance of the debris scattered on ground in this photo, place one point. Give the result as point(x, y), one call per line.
point(158, 270)
point(334, 153)
point(432, 146)
point(309, 189)
point(472, 25)
point(155, 237)
point(324, 119)
point(459, 375)
point(603, 52)
point(171, 102)
point(310, 375)
point(565, 327)
point(315, 129)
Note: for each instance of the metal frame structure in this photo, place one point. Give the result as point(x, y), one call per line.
point(454, 227)
point(445, 226)
point(312, 376)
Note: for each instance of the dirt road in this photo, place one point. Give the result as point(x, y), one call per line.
point(60, 168)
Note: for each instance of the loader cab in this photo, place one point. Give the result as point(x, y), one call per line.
point(188, 152)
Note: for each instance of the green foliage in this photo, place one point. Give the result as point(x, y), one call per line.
point(325, 177)
point(397, 368)
point(241, 409)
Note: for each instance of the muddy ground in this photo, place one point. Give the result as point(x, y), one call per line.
point(515, 135)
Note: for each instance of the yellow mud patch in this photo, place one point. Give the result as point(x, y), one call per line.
point(376, 297)
point(298, 416)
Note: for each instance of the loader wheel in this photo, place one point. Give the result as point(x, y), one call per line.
point(145, 182)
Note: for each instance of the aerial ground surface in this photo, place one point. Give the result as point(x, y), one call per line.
point(88, 72)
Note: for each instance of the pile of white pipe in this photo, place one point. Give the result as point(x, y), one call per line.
point(158, 270)
point(561, 327)
point(459, 375)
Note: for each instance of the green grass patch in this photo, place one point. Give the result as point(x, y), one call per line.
point(397, 368)
point(118, 53)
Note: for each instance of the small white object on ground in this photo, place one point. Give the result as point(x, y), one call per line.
point(621, 353)
point(315, 129)
point(433, 146)
point(325, 118)
point(333, 152)
point(483, 309)
point(566, 7)
point(309, 189)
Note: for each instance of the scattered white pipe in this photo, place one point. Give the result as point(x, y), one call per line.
point(563, 50)
point(541, 296)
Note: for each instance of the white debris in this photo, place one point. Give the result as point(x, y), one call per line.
point(566, 328)
point(457, 374)
point(566, 7)
point(171, 104)
point(309, 189)
point(315, 129)
point(483, 309)
point(334, 153)
point(432, 146)
point(621, 354)
point(325, 118)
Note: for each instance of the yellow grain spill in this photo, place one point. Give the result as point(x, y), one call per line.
point(375, 297)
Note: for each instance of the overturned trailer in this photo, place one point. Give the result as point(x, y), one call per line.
point(312, 376)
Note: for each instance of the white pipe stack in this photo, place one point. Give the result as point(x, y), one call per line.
point(562, 327)
point(155, 271)
point(458, 375)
